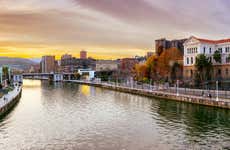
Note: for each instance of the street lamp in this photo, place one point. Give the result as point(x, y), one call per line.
point(217, 93)
point(177, 91)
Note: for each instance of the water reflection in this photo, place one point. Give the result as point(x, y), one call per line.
point(71, 116)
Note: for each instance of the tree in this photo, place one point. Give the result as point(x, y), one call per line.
point(167, 60)
point(151, 66)
point(203, 68)
point(176, 71)
point(141, 72)
point(217, 56)
point(77, 75)
point(5, 73)
point(160, 50)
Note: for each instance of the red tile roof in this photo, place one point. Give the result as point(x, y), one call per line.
point(213, 41)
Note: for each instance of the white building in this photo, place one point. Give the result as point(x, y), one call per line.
point(18, 78)
point(195, 46)
point(88, 73)
point(58, 77)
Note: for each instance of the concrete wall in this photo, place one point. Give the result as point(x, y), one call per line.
point(164, 95)
point(6, 108)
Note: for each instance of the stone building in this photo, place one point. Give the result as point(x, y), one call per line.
point(195, 46)
point(127, 66)
point(48, 64)
point(83, 54)
point(106, 65)
point(72, 64)
point(162, 44)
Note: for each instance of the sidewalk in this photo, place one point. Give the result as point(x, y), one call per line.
point(222, 103)
point(7, 98)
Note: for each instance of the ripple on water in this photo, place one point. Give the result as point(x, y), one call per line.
point(70, 116)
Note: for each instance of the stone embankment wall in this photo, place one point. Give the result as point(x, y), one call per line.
point(8, 101)
point(222, 103)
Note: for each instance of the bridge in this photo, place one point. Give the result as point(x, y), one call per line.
point(55, 76)
point(49, 76)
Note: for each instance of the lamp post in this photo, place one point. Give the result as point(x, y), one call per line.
point(217, 93)
point(177, 88)
point(150, 84)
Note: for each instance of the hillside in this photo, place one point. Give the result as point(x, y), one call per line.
point(17, 63)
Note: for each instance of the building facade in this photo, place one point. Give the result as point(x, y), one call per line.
point(106, 65)
point(48, 64)
point(149, 54)
point(72, 64)
point(195, 46)
point(83, 54)
point(127, 66)
point(166, 44)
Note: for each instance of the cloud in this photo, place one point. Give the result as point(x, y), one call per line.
point(109, 26)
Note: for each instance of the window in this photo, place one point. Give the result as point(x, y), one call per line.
point(204, 50)
point(187, 60)
point(220, 50)
point(227, 49)
point(191, 60)
point(219, 72)
point(227, 59)
point(210, 50)
point(226, 71)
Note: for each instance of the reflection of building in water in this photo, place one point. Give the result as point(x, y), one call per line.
point(87, 90)
point(31, 83)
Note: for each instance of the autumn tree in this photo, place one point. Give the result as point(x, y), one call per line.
point(166, 65)
point(167, 60)
point(141, 72)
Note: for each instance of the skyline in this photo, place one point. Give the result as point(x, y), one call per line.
point(106, 29)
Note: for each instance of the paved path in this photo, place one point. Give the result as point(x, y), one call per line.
point(7, 98)
point(156, 91)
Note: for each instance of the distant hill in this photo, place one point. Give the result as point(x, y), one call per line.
point(17, 63)
point(36, 60)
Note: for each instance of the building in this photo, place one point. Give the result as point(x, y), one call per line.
point(66, 56)
point(48, 64)
point(106, 65)
point(162, 44)
point(149, 54)
point(83, 54)
point(18, 78)
point(127, 66)
point(87, 74)
point(34, 68)
point(195, 46)
point(72, 64)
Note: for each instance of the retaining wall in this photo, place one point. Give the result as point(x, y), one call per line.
point(4, 109)
point(165, 95)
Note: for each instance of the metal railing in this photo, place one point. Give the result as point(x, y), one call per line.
point(214, 94)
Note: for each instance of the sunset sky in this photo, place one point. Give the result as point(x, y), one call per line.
point(105, 28)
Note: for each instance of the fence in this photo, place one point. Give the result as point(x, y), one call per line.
point(220, 92)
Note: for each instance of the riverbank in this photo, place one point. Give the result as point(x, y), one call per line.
point(9, 100)
point(221, 103)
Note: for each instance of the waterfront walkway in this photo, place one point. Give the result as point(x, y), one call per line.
point(7, 98)
point(164, 93)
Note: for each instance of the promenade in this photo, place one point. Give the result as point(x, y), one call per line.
point(170, 93)
point(8, 99)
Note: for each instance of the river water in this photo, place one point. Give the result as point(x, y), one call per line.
point(71, 116)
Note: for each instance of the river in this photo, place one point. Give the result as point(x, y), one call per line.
point(71, 116)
